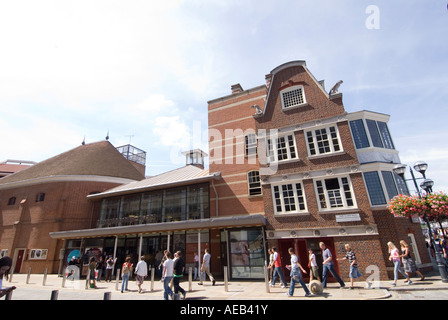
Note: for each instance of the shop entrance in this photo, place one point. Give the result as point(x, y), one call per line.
point(301, 247)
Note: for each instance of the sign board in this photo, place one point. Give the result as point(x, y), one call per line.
point(348, 217)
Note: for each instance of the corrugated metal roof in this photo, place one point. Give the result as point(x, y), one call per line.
point(180, 176)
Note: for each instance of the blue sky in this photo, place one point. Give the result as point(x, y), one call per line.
point(144, 70)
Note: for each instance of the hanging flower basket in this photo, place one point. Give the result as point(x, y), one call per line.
point(435, 206)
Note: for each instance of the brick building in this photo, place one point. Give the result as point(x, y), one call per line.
point(288, 167)
point(324, 174)
point(52, 196)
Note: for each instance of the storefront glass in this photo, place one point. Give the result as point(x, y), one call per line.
point(247, 254)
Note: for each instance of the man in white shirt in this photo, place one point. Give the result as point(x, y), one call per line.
point(141, 271)
point(167, 276)
point(206, 266)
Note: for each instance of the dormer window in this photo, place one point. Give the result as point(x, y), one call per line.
point(293, 97)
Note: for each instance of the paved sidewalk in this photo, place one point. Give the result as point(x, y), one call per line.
point(237, 290)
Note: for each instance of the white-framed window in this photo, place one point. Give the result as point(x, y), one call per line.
point(289, 198)
point(293, 97)
point(281, 148)
point(253, 178)
point(323, 141)
point(250, 142)
point(335, 193)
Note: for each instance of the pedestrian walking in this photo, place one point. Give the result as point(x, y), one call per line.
point(141, 272)
point(196, 265)
point(160, 266)
point(206, 266)
point(409, 263)
point(159, 257)
point(109, 268)
point(278, 269)
point(296, 275)
point(92, 269)
point(99, 268)
point(5, 266)
point(394, 256)
point(167, 275)
point(312, 265)
point(354, 271)
point(328, 266)
point(271, 263)
point(125, 274)
point(178, 272)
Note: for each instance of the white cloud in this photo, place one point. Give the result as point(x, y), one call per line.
point(172, 131)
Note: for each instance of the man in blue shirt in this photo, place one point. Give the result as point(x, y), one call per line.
point(328, 265)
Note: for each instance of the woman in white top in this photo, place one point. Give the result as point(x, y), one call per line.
point(312, 264)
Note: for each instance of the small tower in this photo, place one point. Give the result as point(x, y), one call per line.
point(195, 157)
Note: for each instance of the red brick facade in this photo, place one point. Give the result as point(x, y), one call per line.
point(368, 236)
point(27, 223)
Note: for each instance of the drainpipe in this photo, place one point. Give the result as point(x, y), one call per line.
point(216, 194)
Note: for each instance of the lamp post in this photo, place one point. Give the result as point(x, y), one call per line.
point(427, 185)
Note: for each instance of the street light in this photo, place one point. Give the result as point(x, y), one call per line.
point(426, 185)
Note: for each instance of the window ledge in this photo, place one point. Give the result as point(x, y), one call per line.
point(284, 161)
point(292, 214)
point(330, 154)
point(295, 107)
point(338, 210)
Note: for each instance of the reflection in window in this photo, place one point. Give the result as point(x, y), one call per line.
point(247, 254)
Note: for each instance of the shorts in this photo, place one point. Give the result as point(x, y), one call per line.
point(354, 273)
point(139, 279)
point(315, 272)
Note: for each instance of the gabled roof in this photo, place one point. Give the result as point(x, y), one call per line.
point(94, 159)
point(188, 174)
point(284, 66)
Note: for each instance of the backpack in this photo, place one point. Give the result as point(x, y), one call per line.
point(125, 268)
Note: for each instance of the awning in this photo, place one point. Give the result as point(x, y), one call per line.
point(211, 223)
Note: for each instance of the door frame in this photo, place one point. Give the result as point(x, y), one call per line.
point(16, 260)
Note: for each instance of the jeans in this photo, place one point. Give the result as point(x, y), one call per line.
point(166, 287)
point(296, 277)
point(330, 267)
point(278, 270)
point(176, 285)
point(125, 281)
point(397, 268)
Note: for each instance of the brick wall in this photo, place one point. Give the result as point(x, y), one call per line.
point(27, 223)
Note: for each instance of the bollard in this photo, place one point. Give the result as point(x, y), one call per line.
point(266, 279)
point(226, 280)
point(54, 295)
point(117, 279)
point(64, 277)
point(153, 271)
point(44, 281)
point(190, 279)
point(8, 296)
point(87, 279)
point(107, 295)
point(28, 276)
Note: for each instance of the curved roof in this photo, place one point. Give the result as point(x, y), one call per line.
point(94, 159)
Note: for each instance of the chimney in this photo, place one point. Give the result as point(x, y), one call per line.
point(268, 78)
point(236, 88)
